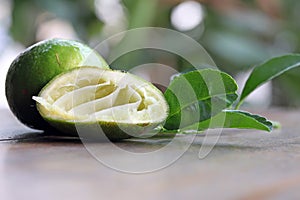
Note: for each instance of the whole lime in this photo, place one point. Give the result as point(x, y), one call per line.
point(35, 67)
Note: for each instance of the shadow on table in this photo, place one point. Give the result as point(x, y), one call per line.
point(13, 131)
point(153, 143)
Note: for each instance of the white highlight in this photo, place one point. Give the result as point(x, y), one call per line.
point(187, 15)
point(55, 28)
point(109, 11)
point(112, 14)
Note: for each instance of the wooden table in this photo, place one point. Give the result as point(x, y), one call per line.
point(244, 164)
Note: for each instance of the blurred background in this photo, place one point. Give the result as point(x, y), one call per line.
point(238, 34)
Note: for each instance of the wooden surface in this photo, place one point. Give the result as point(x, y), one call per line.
point(243, 165)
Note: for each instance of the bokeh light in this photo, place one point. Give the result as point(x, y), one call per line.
point(187, 15)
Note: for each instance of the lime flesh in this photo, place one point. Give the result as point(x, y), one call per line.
point(122, 104)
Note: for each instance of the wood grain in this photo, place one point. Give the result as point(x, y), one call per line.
point(244, 164)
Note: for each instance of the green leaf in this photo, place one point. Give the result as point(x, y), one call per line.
point(234, 119)
point(198, 95)
point(268, 71)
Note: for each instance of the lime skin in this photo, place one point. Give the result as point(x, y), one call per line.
point(35, 67)
point(101, 131)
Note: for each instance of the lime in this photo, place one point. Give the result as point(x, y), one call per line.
point(122, 104)
point(35, 67)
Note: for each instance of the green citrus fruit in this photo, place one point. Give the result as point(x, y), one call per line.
point(88, 98)
point(35, 67)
